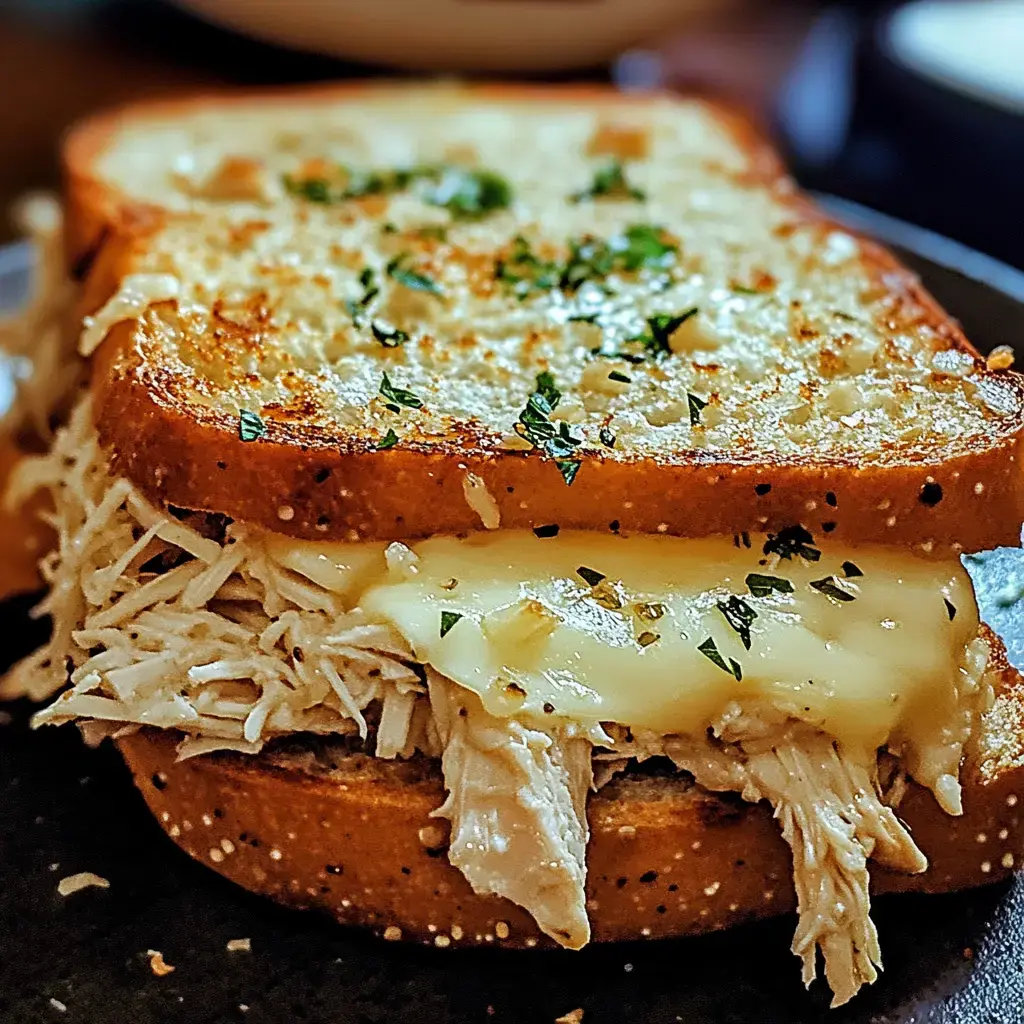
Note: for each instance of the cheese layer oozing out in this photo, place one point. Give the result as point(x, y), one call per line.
point(778, 670)
point(867, 654)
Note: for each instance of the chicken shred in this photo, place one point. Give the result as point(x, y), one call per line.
point(517, 806)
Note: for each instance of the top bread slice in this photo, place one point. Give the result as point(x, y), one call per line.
point(349, 295)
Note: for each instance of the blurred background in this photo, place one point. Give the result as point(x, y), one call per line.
point(914, 108)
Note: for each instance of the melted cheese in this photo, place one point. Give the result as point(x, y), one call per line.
point(534, 635)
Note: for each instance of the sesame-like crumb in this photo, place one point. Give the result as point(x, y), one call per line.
point(986, 867)
point(456, 932)
point(58, 1005)
point(392, 933)
point(442, 941)
point(216, 854)
point(501, 929)
point(157, 964)
point(83, 880)
point(572, 1017)
point(239, 946)
point(1007, 860)
point(275, 854)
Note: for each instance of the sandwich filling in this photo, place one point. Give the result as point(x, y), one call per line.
point(775, 667)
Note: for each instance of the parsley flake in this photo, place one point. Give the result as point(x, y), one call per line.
point(739, 615)
point(609, 182)
point(389, 440)
point(620, 377)
point(398, 396)
point(470, 194)
point(549, 530)
point(524, 271)
point(830, 587)
point(591, 576)
point(534, 425)
point(851, 570)
point(646, 638)
point(660, 329)
point(448, 620)
point(696, 406)
point(790, 541)
point(950, 609)
point(569, 468)
point(250, 426)
point(763, 586)
point(399, 271)
point(606, 437)
point(710, 651)
point(388, 336)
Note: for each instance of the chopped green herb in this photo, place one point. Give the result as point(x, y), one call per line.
point(606, 437)
point(830, 587)
point(647, 638)
point(448, 619)
point(591, 576)
point(524, 271)
point(741, 290)
point(609, 183)
point(313, 190)
point(739, 615)
point(644, 246)
point(661, 327)
point(398, 270)
point(357, 307)
point(793, 540)
point(584, 318)
point(534, 425)
point(639, 247)
point(606, 596)
point(710, 651)
point(250, 426)
point(696, 406)
point(366, 276)
point(389, 440)
point(851, 570)
point(950, 609)
point(569, 468)
point(450, 584)
point(762, 586)
point(469, 194)
point(388, 336)
point(649, 611)
point(620, 377)
point(398, 396)
point(437, 232)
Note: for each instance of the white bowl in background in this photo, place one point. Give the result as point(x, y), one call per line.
point(471, 35)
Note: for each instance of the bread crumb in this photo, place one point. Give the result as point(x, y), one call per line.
point(1000, 358)
point(392, 933)
point(58, 1005)
point(157, 964)
point(572, 1017)
point(243, 1007)
point(83, 880)
point(239, 946)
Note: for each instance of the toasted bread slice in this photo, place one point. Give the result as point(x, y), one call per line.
point(665, 856)
point(380, 278)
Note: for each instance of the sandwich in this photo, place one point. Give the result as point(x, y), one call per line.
point(516, 515)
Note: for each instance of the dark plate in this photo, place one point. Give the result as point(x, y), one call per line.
point(953, 959)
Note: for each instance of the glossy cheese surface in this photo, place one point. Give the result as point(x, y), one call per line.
point(867, 643)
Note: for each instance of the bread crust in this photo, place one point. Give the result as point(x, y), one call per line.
point(665, 857)
point(303, 482)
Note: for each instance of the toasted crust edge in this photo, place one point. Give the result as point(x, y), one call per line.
point(196, 460)
point(663, 859)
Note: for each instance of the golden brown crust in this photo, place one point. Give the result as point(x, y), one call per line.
point(301, 481)
point(665, 858)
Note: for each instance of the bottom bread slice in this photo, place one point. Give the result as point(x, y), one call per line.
point(315, 823)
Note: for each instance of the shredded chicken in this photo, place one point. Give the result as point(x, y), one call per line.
point(834, 816)
point(37, 342)
point(517, 804)
point(225, 645)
